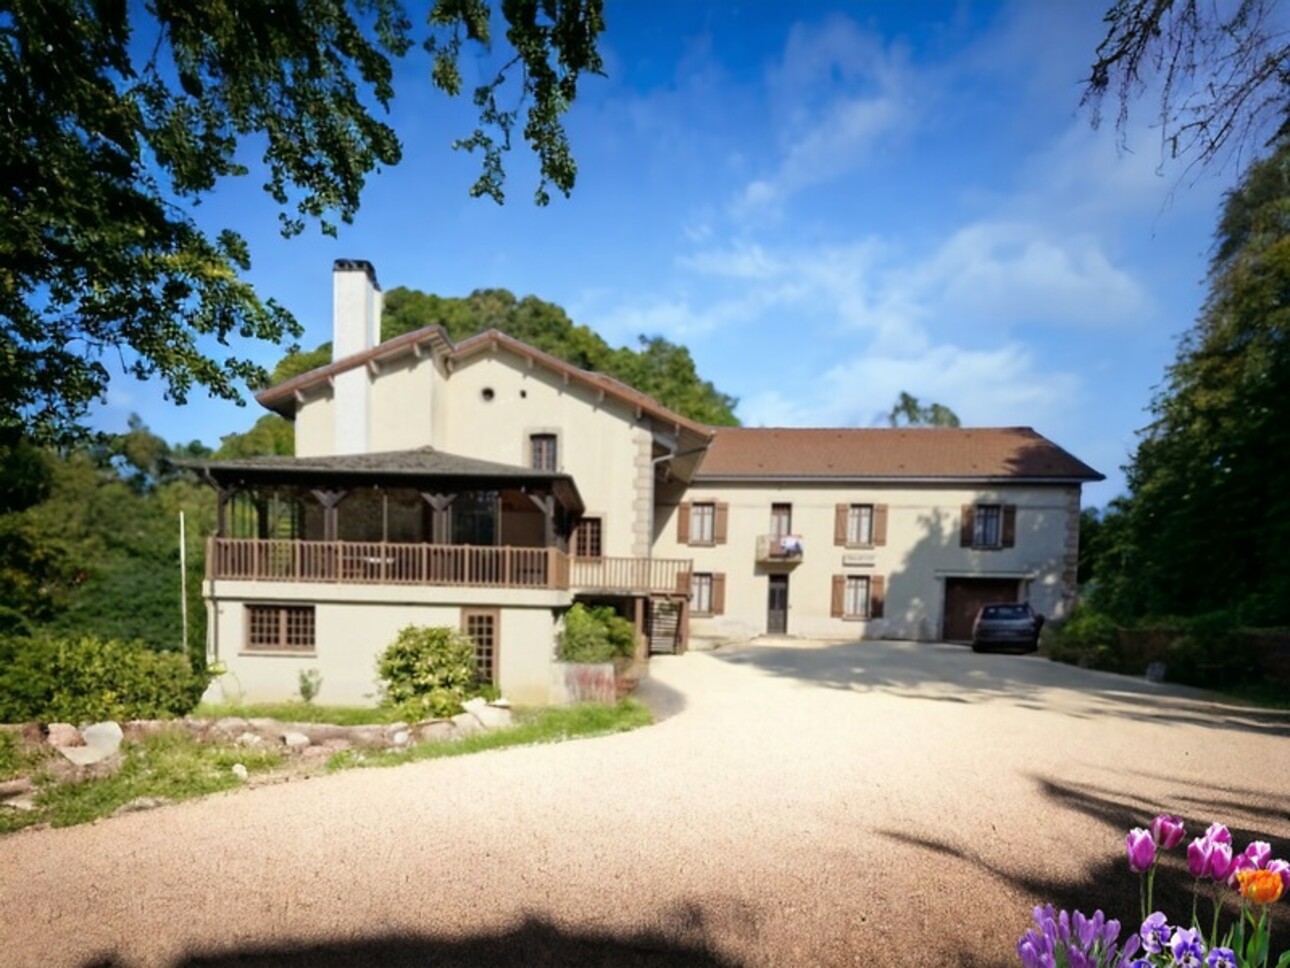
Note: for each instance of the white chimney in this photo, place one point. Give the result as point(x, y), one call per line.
point(356, 328)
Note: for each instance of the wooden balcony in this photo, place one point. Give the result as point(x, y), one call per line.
point(386, 563)
point(659, 575)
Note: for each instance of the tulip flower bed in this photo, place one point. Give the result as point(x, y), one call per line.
point(1064, 940)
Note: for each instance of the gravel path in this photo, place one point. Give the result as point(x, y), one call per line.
point(877, 803)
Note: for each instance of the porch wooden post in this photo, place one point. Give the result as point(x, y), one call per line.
point(642, 641)
point(222, 497)
point(546, 504)
point(331, 519)
point(440, 519)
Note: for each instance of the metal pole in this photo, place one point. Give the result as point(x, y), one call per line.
point(183, 580)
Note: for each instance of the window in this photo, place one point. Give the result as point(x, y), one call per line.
point(543, 455)
point(858, 597)
point(855, 602)
point(481, 627)
point(781, 520)
point(587, 539)
point(987, 526)
point(708, 593)
point(860, 524)
point(703, 518)
point(280, 628)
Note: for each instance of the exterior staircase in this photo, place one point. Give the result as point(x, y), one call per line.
point(665, 615)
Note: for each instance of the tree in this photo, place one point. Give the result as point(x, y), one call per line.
point(1208, 524)
point(1223, 72)
point(908, 412)
point(120, 117)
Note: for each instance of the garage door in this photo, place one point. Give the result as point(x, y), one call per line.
point(964, 596)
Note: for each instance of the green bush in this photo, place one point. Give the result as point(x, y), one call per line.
point(1087, 639)
point(85, 679)
point(429, 671)
point(595, 634)
point(1209, 653)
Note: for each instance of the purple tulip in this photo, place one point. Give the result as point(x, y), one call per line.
point(1142, 850)
point(1218, 834)
point(1198, 854)
point(1282, 869)
point(1167, 831)
point(1260, 852)
point(1221, 861)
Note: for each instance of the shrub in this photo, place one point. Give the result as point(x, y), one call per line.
point(85, 679)
point(309, 682)
point(429, 671)
point(1209, 653)
point(1088, 639)
point(595, 634)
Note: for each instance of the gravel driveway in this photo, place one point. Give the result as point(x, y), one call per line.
point(875, 803)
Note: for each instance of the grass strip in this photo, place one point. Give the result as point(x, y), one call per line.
point(532, 727)
point(299, 712)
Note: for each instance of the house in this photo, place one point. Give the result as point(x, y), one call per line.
point(487, 485)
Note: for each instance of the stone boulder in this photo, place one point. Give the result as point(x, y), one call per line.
point(465, 724)
point(63, 735)
point(103, 736)
point(489, 715)
point(294, 740)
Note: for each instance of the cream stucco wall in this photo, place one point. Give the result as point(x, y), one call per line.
point(402, 404)
point(315, 424)
point(921, 551)
point(354, 623)
point(599, 441)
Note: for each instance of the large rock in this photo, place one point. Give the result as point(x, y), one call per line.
point(85, 755)
point(439, 729)
point(465, 724)
point(63, 734)
point(489, 716)
point(14, 788)
point(103, 736)
point(294, 740)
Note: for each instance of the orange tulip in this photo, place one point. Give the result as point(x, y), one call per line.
point(1261, 887)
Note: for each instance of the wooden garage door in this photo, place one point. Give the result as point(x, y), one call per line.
point(964, 596)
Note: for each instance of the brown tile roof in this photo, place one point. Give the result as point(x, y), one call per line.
point(922, 453)
point(281, 398)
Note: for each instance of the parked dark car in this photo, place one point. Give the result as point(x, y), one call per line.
point(1013, 624)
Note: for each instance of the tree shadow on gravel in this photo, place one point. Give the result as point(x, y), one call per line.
point(536, 942)
point(943, 672)
point(1107, 883)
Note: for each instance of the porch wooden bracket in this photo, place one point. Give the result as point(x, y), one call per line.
point(440, 525)
point(329, 501)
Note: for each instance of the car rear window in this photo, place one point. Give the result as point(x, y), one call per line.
point(1005, 611)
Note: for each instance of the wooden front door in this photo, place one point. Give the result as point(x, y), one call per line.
point(777, 606)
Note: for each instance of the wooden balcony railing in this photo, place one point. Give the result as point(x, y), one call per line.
point(382, 563)
point(664, 575)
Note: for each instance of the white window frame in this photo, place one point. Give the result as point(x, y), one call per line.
point(857, 597)
point(860, 525)
point(701, 593)
point(703, 523)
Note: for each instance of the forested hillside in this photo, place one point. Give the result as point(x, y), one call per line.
point(657, 366)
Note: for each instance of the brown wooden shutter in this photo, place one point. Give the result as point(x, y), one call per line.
point(719, 594)
point(840, 513)
point(683, 583)
point(877, 595)
point(965, 531)
point(721, 523)
point(839, 594)
point(880, 524)
point(1009, 525)
point(683, 522)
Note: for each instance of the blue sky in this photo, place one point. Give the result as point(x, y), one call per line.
point(828, 203)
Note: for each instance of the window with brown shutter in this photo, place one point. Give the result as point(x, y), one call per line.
point(993, 526)
point(857, 597)
point(721, 523)
point(683, 523)
point(879, 525)
point(703, 523)
point(708, 593)
point(968, 523)
point(841, 512)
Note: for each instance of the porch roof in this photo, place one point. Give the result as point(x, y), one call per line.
point(421, 468)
